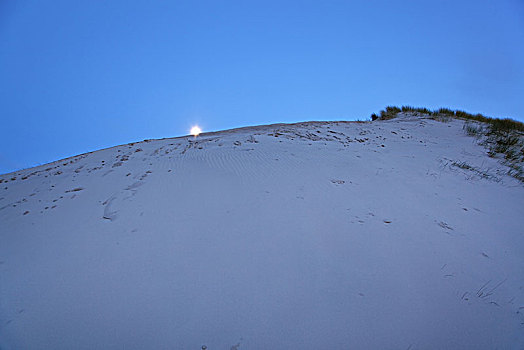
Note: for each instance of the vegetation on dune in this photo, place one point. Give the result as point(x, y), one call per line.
point(502, 138)
point(496, 124)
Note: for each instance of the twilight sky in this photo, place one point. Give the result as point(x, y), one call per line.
point(77, 76)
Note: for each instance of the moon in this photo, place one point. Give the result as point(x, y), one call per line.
point(195, 130)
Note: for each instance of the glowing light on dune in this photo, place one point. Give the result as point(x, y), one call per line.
point(195, 130)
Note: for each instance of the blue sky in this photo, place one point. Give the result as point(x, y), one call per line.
point(77, 76)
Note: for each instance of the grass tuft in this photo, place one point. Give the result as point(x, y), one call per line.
point(472, 129)
point(389, 113)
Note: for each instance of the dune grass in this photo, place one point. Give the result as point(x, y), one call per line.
point(502, 137)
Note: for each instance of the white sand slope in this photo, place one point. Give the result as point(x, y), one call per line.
point(321, 235)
